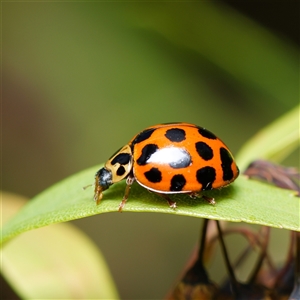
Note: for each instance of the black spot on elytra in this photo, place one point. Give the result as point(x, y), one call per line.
point(175, 135)
point(183, 161)
point(204, 150)
point(144, 135)
point(206, 176)
point(177, 183)
point(153, 175)
point(147, 151)
point(120, 171)
point(122, 159)
point(226, 162)
point(207, 134)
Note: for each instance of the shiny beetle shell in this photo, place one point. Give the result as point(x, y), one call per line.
point(168, 159)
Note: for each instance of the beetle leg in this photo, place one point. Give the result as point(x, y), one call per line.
point(195, 195)
point(210, 200)
point(129, 181)
point(171, 203)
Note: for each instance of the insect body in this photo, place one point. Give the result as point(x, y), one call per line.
point(168, 159)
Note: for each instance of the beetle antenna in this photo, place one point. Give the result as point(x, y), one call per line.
point(87, 186)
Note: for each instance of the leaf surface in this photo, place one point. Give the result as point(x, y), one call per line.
point(243, 201)
point(275, 142)
point(54, 262)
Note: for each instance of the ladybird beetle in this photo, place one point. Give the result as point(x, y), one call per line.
point(170, 158)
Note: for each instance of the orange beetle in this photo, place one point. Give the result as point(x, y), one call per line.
point(169, 159)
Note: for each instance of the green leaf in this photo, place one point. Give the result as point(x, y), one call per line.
point(54, 262)
point(275, 142)
point(245, 200)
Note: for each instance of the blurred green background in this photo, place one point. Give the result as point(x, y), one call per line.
point(79, 79)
